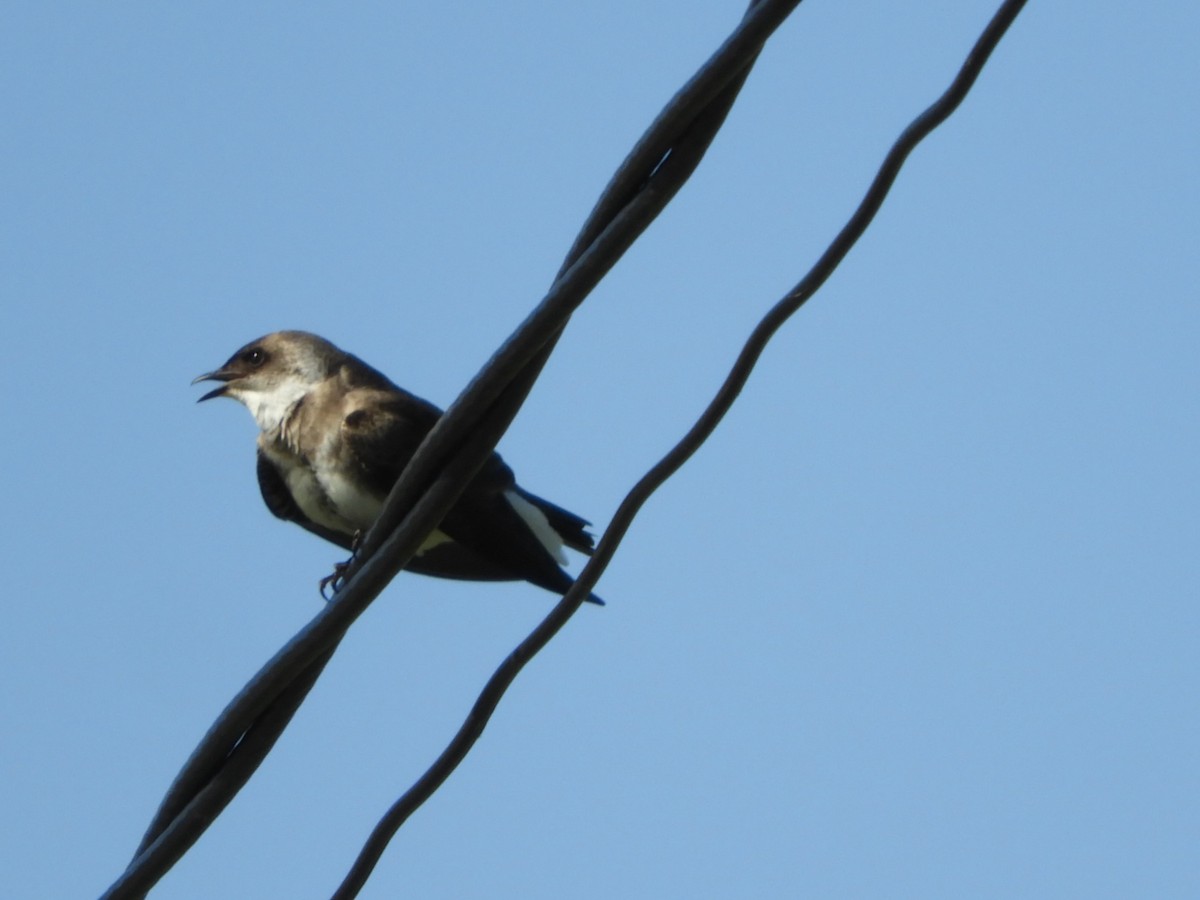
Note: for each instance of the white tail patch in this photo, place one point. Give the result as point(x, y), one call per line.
point(539, 525)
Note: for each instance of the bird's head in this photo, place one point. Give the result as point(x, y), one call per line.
point(270, 375)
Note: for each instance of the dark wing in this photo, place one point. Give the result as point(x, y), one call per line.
point(279, 501)
point(383, 430)
point(490, 539)
point(453, 560)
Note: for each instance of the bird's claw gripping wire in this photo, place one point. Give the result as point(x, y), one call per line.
point(337, 577)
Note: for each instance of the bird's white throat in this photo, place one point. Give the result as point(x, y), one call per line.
point(271, 407)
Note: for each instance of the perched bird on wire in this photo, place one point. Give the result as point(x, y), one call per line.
point(335, 436)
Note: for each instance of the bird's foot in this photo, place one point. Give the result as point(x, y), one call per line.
point(334, 579)
point(337, 578)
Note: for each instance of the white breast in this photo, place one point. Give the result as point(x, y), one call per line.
point(358, 507)
point(309, 495)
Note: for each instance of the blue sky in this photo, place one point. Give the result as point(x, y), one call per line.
point(920, 620)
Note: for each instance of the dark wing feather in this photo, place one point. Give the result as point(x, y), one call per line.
point(453, 560)
point(491, 540)
point(384, 431)
point(279, 501)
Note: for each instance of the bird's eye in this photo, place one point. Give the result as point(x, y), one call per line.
point(255, 357)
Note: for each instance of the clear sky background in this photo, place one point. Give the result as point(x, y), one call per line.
point(921, 620)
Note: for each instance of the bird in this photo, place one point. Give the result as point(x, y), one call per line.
point(334, 436)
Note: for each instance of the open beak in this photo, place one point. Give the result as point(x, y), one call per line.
point(217, 375)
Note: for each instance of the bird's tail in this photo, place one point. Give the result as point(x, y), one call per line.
point(571, 528)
